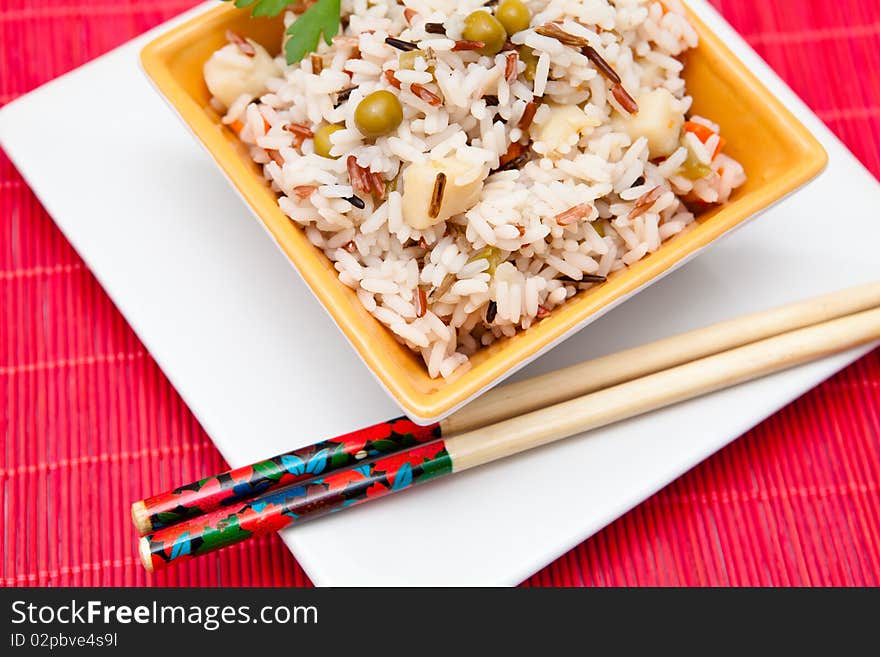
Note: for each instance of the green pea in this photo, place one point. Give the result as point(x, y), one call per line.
point(483, 26)
point(528, 57)
point(322, 140)
point(378, 114)
point(513, 15)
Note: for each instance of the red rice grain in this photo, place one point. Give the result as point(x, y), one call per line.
point(626, 101)
point(243, 45)
point(393, 81)
point(304, 191)
point(421, 302)
point(528, 116)
point(645, 201)
point(425, 94)
point(573, 214)
point(467, 45)
point(510, 66)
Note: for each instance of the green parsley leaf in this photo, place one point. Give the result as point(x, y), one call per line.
point(263, 7)
point(321, 18)
point(269, 7)
point(304, 32)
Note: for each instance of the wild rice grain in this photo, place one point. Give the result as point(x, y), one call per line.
point(437, 195)
point(601, 65)
point(491, 312)
point(400, 44)
point(343, 95)
point(356, 202)
point(553, 31)
point(516, 155)
point(435, 28)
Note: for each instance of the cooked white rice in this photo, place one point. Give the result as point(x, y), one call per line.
point(506, 262)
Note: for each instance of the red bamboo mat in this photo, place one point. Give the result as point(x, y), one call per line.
point(89, 423)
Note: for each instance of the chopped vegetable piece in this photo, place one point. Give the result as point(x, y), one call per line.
point(229, 77)
point(562, 122)
point(659, 121)
point(419, 185)
point(704, 134)
point(491, 254)
point(530, 59)
point(407, 60)
point(693, 169)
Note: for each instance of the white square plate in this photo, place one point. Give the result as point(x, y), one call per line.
point(264, 369)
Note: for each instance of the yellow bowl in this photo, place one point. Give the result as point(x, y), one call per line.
point(779, 155)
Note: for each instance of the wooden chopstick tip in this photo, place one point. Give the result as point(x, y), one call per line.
point(145, 553)
point(141, 518)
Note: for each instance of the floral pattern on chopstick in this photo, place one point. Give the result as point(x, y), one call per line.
point(314, 498)
point(308, 462)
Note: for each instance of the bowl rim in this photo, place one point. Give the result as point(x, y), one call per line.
point(431, 406)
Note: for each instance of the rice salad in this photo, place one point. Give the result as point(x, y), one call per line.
point(465, 187)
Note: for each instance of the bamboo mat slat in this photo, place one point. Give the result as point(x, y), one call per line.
point(85, 409)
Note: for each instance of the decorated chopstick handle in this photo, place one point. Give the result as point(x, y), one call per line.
point(235, 486)
point(277, 509)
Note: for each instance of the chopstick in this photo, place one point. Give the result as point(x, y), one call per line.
point(511, 400)
point(373, 479)
point(560, 385)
